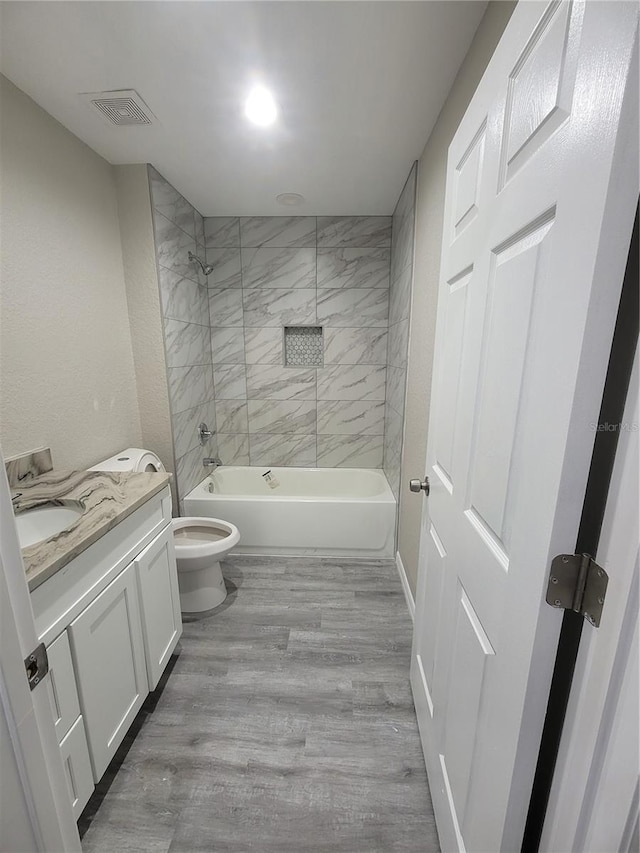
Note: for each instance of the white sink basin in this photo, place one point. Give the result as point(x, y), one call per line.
point(41, 522)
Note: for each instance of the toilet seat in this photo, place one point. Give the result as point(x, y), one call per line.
point(196, 537)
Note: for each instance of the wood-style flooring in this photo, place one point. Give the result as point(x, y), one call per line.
point(285, 725)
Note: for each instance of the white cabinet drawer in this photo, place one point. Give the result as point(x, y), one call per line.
point(159, 603)
point(61, 686)
point(108, 651)
point(77, 767)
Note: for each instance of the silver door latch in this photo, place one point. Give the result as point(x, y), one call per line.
point(36, 665)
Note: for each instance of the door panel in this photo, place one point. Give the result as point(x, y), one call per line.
point(530, 283)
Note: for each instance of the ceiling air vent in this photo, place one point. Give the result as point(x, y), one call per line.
point(122, 108)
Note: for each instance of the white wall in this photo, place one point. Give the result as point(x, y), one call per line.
point(67, 377)
point(428, 239)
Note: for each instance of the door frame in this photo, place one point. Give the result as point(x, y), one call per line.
point(28, 712)
point(565, 682)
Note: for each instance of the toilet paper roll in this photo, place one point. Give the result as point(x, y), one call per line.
point(131, 459)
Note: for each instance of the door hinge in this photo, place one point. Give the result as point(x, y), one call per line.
point(37, 665)
point(578, 583)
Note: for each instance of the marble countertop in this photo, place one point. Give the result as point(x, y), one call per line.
point(106, 497)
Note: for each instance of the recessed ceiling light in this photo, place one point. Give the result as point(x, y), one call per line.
point(290, 199)
point(260, 108)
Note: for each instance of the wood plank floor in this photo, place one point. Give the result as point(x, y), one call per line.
point(286, 725)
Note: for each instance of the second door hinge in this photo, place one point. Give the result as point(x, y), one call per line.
point(578, 583)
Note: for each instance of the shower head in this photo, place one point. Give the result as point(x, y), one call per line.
point(207, 269)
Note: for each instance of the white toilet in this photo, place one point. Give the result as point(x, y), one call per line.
point(200, 543)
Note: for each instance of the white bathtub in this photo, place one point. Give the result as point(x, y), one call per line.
point(340, 512)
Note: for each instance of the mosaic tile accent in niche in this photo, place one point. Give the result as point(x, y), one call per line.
point(303, 346)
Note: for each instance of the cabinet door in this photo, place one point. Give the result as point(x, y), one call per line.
point(107, 646)
point(61, 686)
point(77, 767)
point(159, 603)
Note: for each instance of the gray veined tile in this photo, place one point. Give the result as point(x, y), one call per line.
point(278, 231)
point(355, 345)
point(190, 470)
point(353, 268)
point(263, 345)
point(233, 449)
point(282, 268)
point(186, 343)
point(353, 307)
point(222, 231)
point(185, 427)
point(399, 344)
point(231, 416)
point(350, 451)
point(393, 424)
point(356, 231)
point(400, 296)
point(190, 386)
point(282, 449)
point(353, 417)
point(173, 246)
point(168, 201)
point(352, 382)
point(275, 307)
point(396, 380)
point(230, 381)
point(227, 271)
point(227, 344)
point(272, 382)
point(282, 416)
point(199, 220)
point(182, 298)
point(225, 307)
point(405, 208)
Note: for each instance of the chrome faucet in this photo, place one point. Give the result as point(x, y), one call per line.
point(211, 462)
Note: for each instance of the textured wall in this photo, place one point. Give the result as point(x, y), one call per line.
point(429, 217)
point(145, 312)
point(185, 311)
point(400, 308)
point(275, 271)
point(67, 377)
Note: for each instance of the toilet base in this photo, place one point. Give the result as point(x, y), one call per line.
point(202, 589)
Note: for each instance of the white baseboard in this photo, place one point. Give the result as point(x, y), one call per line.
point(411, 605)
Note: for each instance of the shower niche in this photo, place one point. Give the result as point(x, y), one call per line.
point(303, 346)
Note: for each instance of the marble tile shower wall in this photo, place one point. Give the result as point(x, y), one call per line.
point(179, 229)
point(399, 312)
point(271, 272)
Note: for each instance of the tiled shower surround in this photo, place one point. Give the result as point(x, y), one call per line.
point(224, 335)
point(399, 312)
point(185, 308)
point(272, 272)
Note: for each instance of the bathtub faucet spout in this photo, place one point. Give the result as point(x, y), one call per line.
point(211, 462)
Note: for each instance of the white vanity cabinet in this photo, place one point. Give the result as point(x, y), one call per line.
point(110, 620)
point(159, 603)
point(69, 725)
point(108, 650)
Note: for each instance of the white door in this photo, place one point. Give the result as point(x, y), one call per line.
point(542, 185)
point(159, 603)
point(108, 650)
point(35, 813)
point(594, 797)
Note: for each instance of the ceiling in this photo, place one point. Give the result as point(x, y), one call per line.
point(358, 85)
